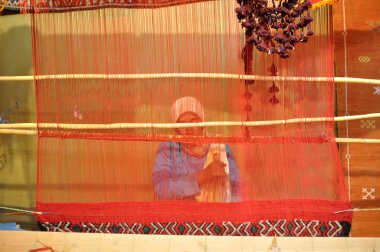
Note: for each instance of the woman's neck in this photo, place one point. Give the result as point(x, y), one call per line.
point(195, 150)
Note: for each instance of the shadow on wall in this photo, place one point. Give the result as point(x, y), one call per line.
point(17, 104)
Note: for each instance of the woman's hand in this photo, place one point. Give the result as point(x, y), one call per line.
point(214, 172)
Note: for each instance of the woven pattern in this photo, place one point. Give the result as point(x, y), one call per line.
point(294, 228)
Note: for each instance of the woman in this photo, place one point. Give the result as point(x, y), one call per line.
point(191, 171)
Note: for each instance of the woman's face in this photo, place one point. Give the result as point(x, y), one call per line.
point(190, 117)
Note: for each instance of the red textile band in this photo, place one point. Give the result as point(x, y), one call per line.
point(167, 211)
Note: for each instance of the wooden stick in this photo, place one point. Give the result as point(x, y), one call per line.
point(64, 126)
point(19, 210)
point(357, 140)
point(190, 75)
point(358, 210)
point(18, 132)
point(161, 76)
point(356, 117)
point(356, 80)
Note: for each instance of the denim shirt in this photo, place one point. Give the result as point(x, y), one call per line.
point(174, 172)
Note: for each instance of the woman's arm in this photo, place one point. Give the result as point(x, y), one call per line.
point(235, 182)
point(162, 171)
point(171, 179)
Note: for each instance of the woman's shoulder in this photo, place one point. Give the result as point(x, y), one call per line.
point(226, 147)
point(168, 146)
point(229, 151)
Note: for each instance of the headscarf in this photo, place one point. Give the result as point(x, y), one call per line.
point(186, 104)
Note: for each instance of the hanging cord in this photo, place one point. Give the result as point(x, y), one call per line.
point(348, 155)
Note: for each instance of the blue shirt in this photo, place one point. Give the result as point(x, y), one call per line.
point(174, 172)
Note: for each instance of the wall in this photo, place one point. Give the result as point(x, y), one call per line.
point(361, 162)
point(18, 175)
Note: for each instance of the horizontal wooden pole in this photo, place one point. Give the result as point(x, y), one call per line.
point(345, 80)
point(65, 126)
point(357, 140)
point(18, 132)
point(163, 76)
point(190, 75)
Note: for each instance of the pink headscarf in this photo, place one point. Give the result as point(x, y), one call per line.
point(186, 104)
